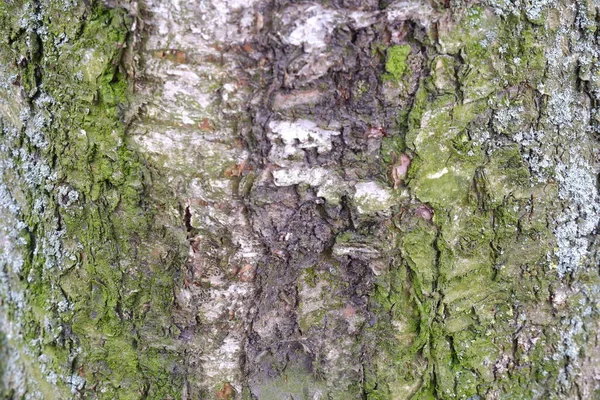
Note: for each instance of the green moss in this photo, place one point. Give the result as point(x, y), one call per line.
point(419, 248)
point(391, 147)
point(120, 279)
point(523, 51)
point(483, 250)
point(395, 64)
point(398, 368)
point(419, 105)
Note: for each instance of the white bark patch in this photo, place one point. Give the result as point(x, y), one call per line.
point(189, 102)
point(331, 186)
point(356, 250)
point(312, 32)
point(416, 11)
point(371, 197)
point(310, 27)
point(361, 19)
point(300, 134)
point(297, 175)
point(223, 363)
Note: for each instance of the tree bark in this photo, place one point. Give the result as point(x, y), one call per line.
point(349, 199)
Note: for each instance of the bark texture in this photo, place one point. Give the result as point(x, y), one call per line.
point(227, 199)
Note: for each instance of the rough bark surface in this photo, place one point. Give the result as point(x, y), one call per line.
point(227, 199)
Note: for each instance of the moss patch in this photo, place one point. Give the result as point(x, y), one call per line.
point(395, 64)
point(101, 268)
point(447, 301)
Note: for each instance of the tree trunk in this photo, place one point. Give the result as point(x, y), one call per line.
point(225, 199)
